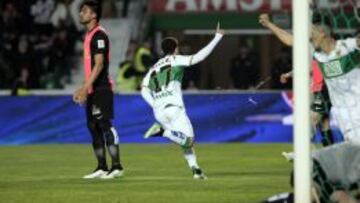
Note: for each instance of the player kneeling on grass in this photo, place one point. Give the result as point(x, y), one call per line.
point(161, 89)
point(335, 175)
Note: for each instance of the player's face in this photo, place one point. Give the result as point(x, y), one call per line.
point(86, 15)
point(317, 36)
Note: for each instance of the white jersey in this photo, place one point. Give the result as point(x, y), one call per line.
point(165, 78)
point(341, 72)
point(162, 84)
point(161, 89)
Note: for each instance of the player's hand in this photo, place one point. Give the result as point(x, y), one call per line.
point(264, 20)
point(284, 78)
point(219, 30)
point(80, 95)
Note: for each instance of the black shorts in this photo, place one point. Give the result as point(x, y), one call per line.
point(100, 105)
point(321, 103)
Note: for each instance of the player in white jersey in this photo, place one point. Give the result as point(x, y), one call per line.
point(320, 107)
point(161, 88)
point(339, 62)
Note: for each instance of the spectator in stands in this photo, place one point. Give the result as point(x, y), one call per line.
point(59, 52)
point(62, 17)
point(66, 14)
point(9, 32)
point(244, 69)
point(42, 44)
point(66, 17)
point(68, 31)
point(27, 32)
point(282, 64)
point(41, 12)
point(143, 59)
point(23, 58)
point(9, 25)
point(127, 76)
point(109, 9)
point(5, 72)
point(21, 85)
point(23, 14)
point(10, 18)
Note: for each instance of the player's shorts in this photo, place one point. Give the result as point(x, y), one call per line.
point(321, 102)
point(174, 118)
point(100, 105)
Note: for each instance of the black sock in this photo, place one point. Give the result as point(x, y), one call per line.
point(100, 156)
point(327, 138)
point(99, 150)
point(160, 133)
point(113, 150)
point(112, 145)
point(112, 140)
point(98, 144)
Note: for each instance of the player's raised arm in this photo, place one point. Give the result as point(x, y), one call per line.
point(206, 51)
point(280, 33)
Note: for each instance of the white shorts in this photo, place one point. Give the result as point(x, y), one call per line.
point(348, 121)
point(344, 94)
point(174, 118)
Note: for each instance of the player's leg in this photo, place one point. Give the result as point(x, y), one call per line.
point(112, 145)
point(320, 109)
point(181, 132)
point(187, 145)
point(170, 119)
point(98, 143)
point(160, 130)
point(175, 125)
point(104, 102)
point(319, 113)
point(326, 133)
point(156, 130)
point(190, 156)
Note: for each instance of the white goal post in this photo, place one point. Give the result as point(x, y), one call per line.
point(301, 58)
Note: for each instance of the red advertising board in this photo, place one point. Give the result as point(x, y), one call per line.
point(159, 6)
point(180, 6)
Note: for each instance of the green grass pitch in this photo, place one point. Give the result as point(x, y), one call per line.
point(238, 173)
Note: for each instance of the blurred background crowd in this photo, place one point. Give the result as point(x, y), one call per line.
point(42, 45)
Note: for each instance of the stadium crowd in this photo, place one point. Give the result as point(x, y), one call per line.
point(38, 42)
point(38, 50)
point(38, 39)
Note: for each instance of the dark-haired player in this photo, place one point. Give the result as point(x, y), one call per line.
point(321, 105)
point(161, 88)
point(97, 93)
